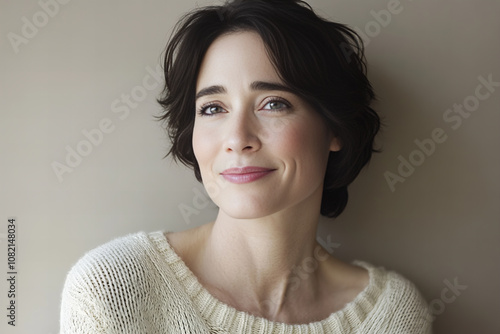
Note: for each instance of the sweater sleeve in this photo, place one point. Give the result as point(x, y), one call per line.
point(406, 307)
point(80, 311)
point(106, 290)
point(82, 307)
point(392, 304)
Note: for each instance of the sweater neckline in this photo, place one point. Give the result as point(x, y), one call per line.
point(222, 316)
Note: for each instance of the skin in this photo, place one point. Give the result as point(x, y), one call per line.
point(250, 257)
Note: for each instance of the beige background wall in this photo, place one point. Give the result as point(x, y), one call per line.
point(73, 71)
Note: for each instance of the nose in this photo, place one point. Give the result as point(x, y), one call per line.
point(242, 133)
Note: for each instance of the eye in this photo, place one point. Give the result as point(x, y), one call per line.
point(210, 110)
point(276, 105)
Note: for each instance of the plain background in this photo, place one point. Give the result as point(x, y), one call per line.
point(440, 226)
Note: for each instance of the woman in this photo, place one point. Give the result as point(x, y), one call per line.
point(269, 104)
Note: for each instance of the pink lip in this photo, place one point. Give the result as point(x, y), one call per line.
point(245, 174)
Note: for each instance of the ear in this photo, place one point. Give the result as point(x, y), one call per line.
point(335, 144)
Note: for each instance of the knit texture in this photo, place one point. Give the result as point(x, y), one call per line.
point(138, 284)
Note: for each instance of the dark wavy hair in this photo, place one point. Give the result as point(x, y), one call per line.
point(321, 61)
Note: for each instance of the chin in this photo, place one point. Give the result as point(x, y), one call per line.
point(245, 210)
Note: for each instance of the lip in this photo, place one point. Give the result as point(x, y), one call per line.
point(245, 174)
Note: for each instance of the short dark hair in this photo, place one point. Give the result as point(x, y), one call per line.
point(321, 61)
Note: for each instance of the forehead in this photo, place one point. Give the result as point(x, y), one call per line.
point(239, 56)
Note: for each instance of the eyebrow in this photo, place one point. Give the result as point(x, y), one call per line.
point(256, 85)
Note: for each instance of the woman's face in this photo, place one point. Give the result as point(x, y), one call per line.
point(260, 148)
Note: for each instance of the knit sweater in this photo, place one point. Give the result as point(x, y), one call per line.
point(138, 284)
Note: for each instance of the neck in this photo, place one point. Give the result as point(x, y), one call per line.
point(267, 256)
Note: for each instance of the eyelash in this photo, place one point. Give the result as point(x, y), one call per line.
point(203, 108)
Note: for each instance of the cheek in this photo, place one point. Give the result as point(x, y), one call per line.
point(201, 145)
point(307, 142)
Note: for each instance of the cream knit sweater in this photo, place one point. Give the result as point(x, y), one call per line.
point(138, 284)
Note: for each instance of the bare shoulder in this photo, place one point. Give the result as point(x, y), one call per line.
point(342, 282)
point(187, 242)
